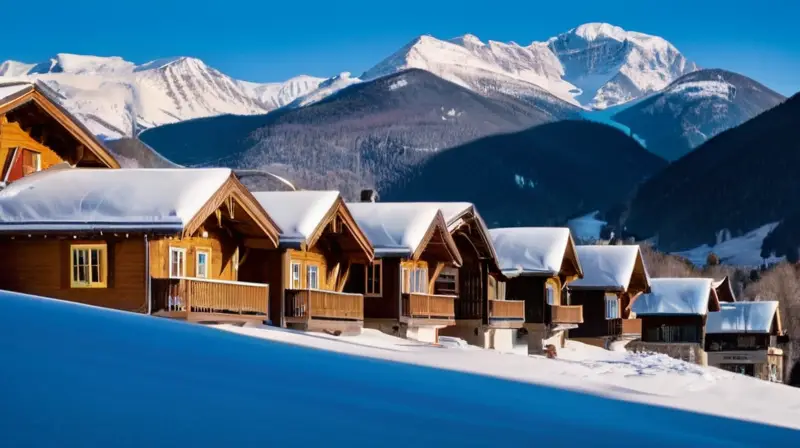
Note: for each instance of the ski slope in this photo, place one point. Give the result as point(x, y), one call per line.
point(79, 375)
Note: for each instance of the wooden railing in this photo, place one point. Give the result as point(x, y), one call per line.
point(429, 306)
point(318, 304)
point(567, 314)
point(631, 326)
point(194, 295)
point(507, 309)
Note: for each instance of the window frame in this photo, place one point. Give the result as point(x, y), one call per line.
point(316, 269)
point(202, 251)
point(550, 294)
point(454, 271)
point(292, 279)
point(102, 265)
point(375, 266)
point(612, 303)
point(177, 250)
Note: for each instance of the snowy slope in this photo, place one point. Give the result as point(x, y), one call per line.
point(595, 65)
point(743, 250)
point(166, 383)
point(116, 98)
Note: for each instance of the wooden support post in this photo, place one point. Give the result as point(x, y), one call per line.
point(343, 278)
point(434, 276)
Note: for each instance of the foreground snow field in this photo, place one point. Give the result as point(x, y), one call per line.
point(78, 375)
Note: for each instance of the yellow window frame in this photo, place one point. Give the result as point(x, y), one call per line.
point(102, 259)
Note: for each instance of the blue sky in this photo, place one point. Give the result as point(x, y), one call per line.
point(270, 41)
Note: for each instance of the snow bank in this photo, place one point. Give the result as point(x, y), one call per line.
point(675, 296)
point(606, 267)
point(167, 383)
point(84, 199)
point(394, 228)
point(743, 317)
point(530, 250)
point(11, 89)
point(297, 213)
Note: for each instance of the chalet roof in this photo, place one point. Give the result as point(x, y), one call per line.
point(400, 228)
point(532, 250)
point(88, 199)
point(297, 213)
point(744, 317)
point(14, 94)
point(677, 296)
point(724, 289)
point(607, 267)
point(456, 213)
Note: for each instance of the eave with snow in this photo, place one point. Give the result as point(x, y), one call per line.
point(169, 242)
point(413, 246)
point(322, 244)
point(36, 132)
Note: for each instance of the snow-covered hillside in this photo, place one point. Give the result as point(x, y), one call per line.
point(117, 98)
point(75, 374)
point(595, 65)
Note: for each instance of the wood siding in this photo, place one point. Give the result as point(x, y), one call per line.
point(680, 329)
point(387, 305)
point(42, 267)
point(222, 248)
point(595, 323)
point(531, 289)
point(265, 266)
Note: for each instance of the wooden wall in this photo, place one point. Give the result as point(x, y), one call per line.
point(386, 306)
point(12, 136)
point(266, 266)
point(691, 324)
point(222, 248)
point(531, 289)
point(42, 267)
point(594, 323)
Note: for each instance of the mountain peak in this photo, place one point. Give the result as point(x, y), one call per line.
point(467, 40)
point(597, 30)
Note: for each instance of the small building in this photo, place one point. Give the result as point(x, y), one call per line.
point(167, 242)
point(743, 337)
point(483, 316)
point(413, 246)
point(613, 276)
point(37, 133)
point(320, 243)
point(539, 263)
point(674, 315)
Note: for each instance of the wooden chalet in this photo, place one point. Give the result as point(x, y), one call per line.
point(37, 133)
point(540, 262)
point(744, 337)
point(674, 315)
point(412, 248)
point(613, 276)
point(168, 242)
point(320, 243)
point(482, 315)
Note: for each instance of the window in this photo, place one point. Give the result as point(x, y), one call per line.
point(550, 294)
point(89, 266)
point(373, 278)
point(612, 307)
point(405, 279)
point(295, 281)
point(31, 162)
point(177, 262)
point(447, 282)
point(203, 261)
point(312, 276)
point(415, 280)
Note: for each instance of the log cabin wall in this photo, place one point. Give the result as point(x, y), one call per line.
point(42, 267)
point(220, 246)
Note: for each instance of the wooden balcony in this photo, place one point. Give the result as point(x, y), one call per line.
point(631, 326)
point(304, 305)
point(204, 300)
point(506, 313)
point(428, 309)
point(567, 314)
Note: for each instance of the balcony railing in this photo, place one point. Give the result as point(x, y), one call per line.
point(631, 326)
point(506, 312)
point(179, 297)
point(306, 304)
point(429, 306)
point(567, 314)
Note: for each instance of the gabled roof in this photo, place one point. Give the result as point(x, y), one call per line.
point(746, 317)
point(303, 215)
point(533, 250)
point(402, 229)
point(16, 94)
point(86, 199)
point(724, 289)
point(609, 267)
point(677, 296)
point(464, 214)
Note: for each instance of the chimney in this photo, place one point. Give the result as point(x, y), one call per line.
point(369, 196)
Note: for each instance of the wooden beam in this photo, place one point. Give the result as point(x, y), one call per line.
point(3, 119)
point(333, 276)
point(218, 214)
point(343, 278)
point(434, 276)
point(259, 243)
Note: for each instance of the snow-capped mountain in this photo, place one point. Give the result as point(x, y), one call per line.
point(595, 65)
point(695, 108)
point(117, 98)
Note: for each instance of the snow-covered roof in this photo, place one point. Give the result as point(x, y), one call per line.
point(394, 228)
point(607, 267)
point(684, 296)
point(530, 250)
point(297, 213)
point(88, 199)
point(12, 89)
point(743, 317)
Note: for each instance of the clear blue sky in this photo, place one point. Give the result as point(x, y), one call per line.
point(270, 41)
